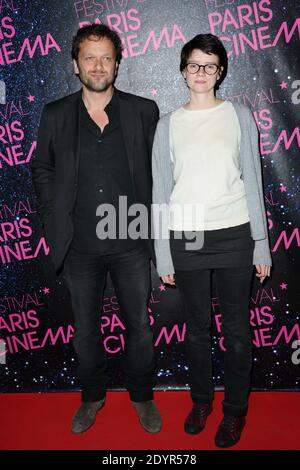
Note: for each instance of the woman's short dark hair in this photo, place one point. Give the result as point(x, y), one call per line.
point(209, 44)
point(100, 31)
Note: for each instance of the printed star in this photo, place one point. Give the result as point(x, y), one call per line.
point(283, 286)
point(282, 188)
point(283, 85)
point(154, 92)
point(31, 98)
point(46, 290)
point(162, 288)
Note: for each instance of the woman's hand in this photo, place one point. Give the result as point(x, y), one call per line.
point(169, 279)
point(262, 271)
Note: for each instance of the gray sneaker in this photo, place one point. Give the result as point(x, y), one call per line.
point(85, 415)
point(149, 415)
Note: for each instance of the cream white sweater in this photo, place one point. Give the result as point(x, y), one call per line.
point(205, 147)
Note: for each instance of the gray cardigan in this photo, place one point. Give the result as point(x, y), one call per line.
point(163, 183)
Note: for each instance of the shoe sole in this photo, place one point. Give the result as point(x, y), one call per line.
point(193, 433)
point(227, 446)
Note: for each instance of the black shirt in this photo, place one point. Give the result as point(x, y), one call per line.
point(104, 175)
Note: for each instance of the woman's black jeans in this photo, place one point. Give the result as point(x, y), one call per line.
point(233, 286)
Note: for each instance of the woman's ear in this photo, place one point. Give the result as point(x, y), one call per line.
point(220, 72)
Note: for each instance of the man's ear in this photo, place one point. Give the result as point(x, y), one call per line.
point(75, 67)
point(116, 69)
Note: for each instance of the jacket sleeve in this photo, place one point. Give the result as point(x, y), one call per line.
point(153, 123)
point(162, 183)
point(43, 166)
point(262, 253)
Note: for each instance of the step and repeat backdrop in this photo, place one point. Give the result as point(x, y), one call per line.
point(262, 39)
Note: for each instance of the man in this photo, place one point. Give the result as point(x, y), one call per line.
point(94, 146)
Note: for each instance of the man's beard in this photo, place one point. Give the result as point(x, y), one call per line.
point(92, 85)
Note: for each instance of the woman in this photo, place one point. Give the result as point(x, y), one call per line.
point(206, 157)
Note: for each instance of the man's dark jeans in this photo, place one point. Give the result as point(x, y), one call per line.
point(130, 273)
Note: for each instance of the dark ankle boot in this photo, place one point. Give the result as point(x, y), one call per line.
point(196, 419)
point(230, 430)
